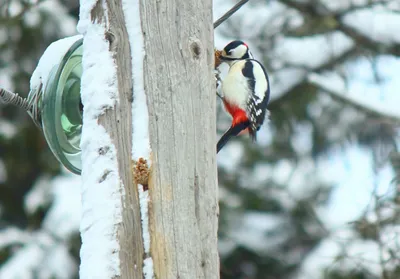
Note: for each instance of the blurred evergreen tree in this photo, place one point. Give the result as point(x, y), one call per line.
point(27, 28)
point(276, 183)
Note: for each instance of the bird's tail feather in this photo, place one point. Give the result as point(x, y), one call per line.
point(232, 132)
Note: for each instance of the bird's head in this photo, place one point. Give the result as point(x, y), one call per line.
point(236, 50)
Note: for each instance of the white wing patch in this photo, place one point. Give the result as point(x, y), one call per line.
point(258, 100)
point(261, 82)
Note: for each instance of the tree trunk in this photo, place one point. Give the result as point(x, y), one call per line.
point(112, 243)
point(180, 88)
point(180, 195)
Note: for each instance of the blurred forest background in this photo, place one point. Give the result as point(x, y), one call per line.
point(317, 197)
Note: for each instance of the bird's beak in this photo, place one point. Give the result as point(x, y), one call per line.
point(223, 56)
point(225, 59)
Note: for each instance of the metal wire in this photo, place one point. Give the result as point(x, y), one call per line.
point(9, 97)
point(30, 104)
point(34, 99)
point(227, 15)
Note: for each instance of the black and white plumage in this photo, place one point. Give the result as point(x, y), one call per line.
point(245, 91)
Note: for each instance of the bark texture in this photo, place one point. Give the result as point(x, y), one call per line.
point(180, 88)
point(118, 124)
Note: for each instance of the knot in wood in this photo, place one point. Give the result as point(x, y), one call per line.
point(103, 150)
point(112, 40)
point(195, 48)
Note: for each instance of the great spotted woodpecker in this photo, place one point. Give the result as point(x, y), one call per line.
point(245, 91)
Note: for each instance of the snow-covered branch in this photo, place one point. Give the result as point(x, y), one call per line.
point(337, 89)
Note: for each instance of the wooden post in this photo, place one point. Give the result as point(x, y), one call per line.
point(180, 87)
point(122, 255)
point(182, 188)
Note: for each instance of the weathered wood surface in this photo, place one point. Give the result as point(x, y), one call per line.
point(180, 88)
point(118, 124)
point(179, 83)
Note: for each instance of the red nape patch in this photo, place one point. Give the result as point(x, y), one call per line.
point(238, 115)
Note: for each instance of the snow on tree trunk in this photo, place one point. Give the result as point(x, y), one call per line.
point(112, 245)
point(149, 195)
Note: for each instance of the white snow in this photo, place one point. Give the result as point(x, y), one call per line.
point(342, 251)
point(44, 12)
point(100, 96)
point(5, 74)
point(348, 168)
point(302, 139)
point(57, 263)
point(14, 8)
point(64, 215)
point(50, 58)
point(284, 80)
point(353, 190)
point(377, 23)
point(12, 236)
point(144, 206)
point(19, 267)
point(254, 229)
point(335, 85)
point(230, 156)
point(102, 189)
point(45, 251)
point(312, 51)
point(40, 256)
point(64, 21)
point(140, 118)
point(85, 9)
point(343, 5)
point(7, 130)
point(148, 268)
point(39, 195)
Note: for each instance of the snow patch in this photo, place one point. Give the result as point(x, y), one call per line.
point(7, 130)
point(19, 267)
point(38, 196)
point(144, 205)
point(50, 58)
point(231, 156)
point(63, 20)
point(140, 115)
point(313, 51)
point(12, 236)
point(98, 65)
point(377, 24)
point(40, 258)
point(284, 80)
point(336, 86)
point(63, 217)
point(57, 263)
point(148, 269)
point(85, 8)
point(258, 231)
point(102, 190)
point(140, 119)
